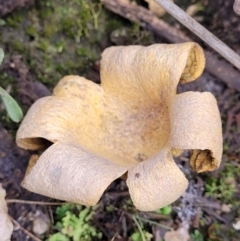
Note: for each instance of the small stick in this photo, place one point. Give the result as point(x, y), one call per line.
point(144, 219)
point(139, 227)
point(154, 223)
point(36, 202)
point(25, 230)
point(215, 215)
point(201, 32)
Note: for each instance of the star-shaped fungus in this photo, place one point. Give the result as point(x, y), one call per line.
point(132, 122)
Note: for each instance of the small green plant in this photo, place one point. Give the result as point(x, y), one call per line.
point(140, 234)
point(165, 210)
point(74, 224)
point(137, 236)
point(127, 205)
point(224, 186)
point(89, 13)
point(197, 236)
point(220, 189)
point(13, 110)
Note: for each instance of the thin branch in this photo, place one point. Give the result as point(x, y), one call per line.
point(156, 216)
point(201, 32)
point(139, 228)
point(25, 230)
point(215, 215)
point(144, 219)
point(36, 202)
point(153, 223)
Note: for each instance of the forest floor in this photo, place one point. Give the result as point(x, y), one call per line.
point(46, 40)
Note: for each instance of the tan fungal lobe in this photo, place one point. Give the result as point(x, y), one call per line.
point(176, 152)
point(46, 121)
point(202, 161)
point(149, 75)
point(6, 226)
point(196, 125)
point(156, 182)
point(70, 173)
point(128, 114)
point(92, 134)
point(33, 160)
point(194, 66)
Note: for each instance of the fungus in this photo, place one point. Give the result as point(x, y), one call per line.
point(132, 122)
point(6, 226)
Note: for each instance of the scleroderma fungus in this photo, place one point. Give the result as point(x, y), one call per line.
point(132, 122)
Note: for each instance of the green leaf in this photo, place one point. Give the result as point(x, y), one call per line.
point(165, 210)
point(1, 55)
point(136, 237)
point(58, 237)
point(13, 109)
point(2, 22)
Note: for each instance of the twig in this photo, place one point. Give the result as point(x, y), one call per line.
point(201, 32)
point(208, 205)
point(219, 68)
point(156, 216)
point(153, 222)
point(144, 219)
point(98, 225)
point(118, 194)
point(139, 228)
point(25, 230)
point(215, 215)
point(51, 215)
point(124, 227)
point(95, 14)
point(113, 238)
point(36, 202)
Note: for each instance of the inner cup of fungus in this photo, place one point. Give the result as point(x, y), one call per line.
point(132, 122)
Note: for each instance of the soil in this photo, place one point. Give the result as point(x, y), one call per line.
point(38, 52)
point(8, 6)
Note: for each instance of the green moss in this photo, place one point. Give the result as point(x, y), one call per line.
point(56, 31)
point(224, 187)
point(14, 21)
point(31, 31)
point(18, 46)
point(88, 54)
point(5, 79)
point(62, 37)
